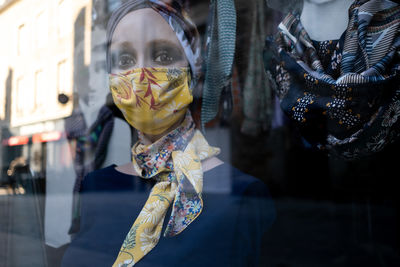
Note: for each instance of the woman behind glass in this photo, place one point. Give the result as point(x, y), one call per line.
point(154, 64)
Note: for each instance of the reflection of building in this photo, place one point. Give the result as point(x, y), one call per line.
point(39, 50)
point(53, 51)
point(37, 67)
point(45, 52)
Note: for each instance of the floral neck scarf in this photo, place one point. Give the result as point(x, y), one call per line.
point(175, 162)
point(343, 94)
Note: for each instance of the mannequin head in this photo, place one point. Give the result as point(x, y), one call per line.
point(285, 6)
point(167, 14)
point(325, 19)
point(152, 55)
point(134, 45)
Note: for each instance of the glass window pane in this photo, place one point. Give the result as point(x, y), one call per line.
point(199, 133)
point(42, 28)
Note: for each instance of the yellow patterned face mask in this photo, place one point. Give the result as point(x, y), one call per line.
point(152, 99)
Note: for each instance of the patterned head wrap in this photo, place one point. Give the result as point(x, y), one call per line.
point(176, 17)
point(344, 94)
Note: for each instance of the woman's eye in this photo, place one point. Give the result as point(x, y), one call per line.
point(164, 58)
point(126, 61)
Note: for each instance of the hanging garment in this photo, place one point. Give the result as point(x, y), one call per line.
point(257, 97)
point(91, 140)
point(220, 51)
point(342, 94)
point(90, 151)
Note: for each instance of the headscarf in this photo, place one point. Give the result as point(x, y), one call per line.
point(343, 94)
point(177, 19)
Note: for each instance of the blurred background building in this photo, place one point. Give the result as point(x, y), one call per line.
point(53, 82)
point(45, 43)
point(53, 63)
point(37, 72)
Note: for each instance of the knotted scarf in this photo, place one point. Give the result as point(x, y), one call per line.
point(342, 94)
point(174, 161)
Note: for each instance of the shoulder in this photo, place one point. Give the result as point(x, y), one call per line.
point(101, 173)
point(239, 182)
point(106, 179)
point(249, 197)
point(256, 203)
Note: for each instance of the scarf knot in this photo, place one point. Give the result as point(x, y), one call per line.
point(174, 161)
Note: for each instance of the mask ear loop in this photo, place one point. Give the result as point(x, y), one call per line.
point(192, 82)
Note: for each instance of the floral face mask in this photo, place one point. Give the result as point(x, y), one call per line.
point(152, 99)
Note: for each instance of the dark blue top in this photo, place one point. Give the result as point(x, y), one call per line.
point(237, 212)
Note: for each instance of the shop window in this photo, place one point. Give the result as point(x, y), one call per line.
point(63, 84)
point(42, 30)
point(40, 89)
point(24, 96)
point(22, 39)
point(64, 17)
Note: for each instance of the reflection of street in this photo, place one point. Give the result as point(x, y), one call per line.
point(5, 190)
point(21, 216)
point(21, 242)
point(9, 190)
point(18, 172)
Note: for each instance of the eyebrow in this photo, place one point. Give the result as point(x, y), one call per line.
point(128, 45)
point(165, 42)
point(118, 45)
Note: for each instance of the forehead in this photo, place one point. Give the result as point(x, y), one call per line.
point(320, 1)
point(143, 26)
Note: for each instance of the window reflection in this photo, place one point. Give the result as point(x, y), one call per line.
point(22, 39)
point(297, 163)
point(63, 17)
point(42, 30)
